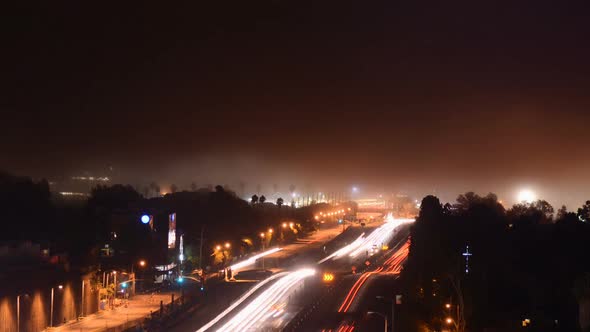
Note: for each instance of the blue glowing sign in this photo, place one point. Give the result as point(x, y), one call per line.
point(145, 219)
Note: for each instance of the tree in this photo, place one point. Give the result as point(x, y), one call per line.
point(254, 199)
point(155, 188)
point(262, 199)
point(584, 212)
point(280, 202)
point(561, 213)
point(544, 207)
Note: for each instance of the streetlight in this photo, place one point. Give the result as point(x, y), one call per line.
point(227, 245)
point(262, 240)
point(270, 230)
point(51, 307)
point(18, 311)
point(142, 263)
point(393, 303)
point(217, 247)
point(291, 224)
point(284, 225)
point(382, 316)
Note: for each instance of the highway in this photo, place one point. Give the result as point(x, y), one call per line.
point(272, 307)
point(344, 306)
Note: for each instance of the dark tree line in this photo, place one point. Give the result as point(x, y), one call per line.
point(526, 263)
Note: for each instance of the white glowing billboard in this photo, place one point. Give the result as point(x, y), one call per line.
point(172, 231)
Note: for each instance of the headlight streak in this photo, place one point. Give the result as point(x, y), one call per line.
point(377, 237)
point(262, 307)
point(240, 300)
point(253, 259)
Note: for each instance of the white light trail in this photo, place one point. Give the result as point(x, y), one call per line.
point(378, 237)
point(267, 304)
point(253, 259)
point(239, 301)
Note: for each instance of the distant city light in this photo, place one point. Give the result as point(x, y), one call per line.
point(145, 219)
point(526, 196)
point(355, 189)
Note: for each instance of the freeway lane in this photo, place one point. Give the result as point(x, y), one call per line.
point(268, 305)
point(272, 304)
point(339, 308)
point(221, 295)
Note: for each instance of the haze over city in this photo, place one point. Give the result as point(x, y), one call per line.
point(322, 166)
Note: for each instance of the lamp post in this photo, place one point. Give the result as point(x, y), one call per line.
point(382, 316)
point(262, 240)
point(51, 307)
point(82, 300)
point(18, 311)
point(392, 310)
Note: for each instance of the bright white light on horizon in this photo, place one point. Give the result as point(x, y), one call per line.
point(355, 189)
point(526, 196)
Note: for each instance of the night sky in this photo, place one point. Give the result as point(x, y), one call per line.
point(420, 97)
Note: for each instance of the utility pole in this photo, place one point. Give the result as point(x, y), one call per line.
point(201, 249)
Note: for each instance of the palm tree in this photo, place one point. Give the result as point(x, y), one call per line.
point(254, 199)
point(262, 199)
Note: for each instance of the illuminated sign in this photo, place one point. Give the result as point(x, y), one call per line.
point(172, 231)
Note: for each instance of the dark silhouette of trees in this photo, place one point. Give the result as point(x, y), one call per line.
point(584, 212)
point(254, 199)
point(26, 209)
point(518, 255)
point(280, 202)
point(262, 199)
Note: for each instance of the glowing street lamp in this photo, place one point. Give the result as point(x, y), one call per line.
point(270, 230)
point(142, 263)
point(227, 245)
point(51, 307)
point(218, 247)
point(284, 225)
point(291, 224)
